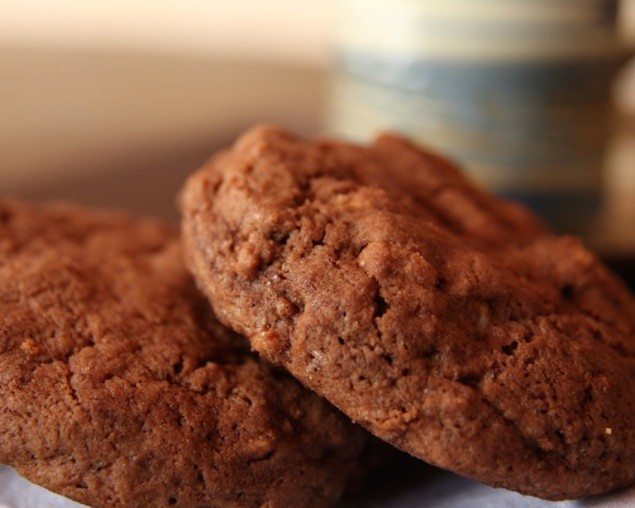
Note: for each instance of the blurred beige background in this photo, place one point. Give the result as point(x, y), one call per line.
point(85, 84)
point(275, 30)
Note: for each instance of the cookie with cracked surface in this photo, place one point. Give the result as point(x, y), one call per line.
point(445, 321)
point(119, 389)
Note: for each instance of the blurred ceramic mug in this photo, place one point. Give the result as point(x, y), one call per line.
point(516, 90)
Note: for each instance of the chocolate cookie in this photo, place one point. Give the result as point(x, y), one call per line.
point(447, 322)
point(119, 389)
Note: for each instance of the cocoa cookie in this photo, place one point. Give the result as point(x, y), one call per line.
point(445, 321)
point(120, 389)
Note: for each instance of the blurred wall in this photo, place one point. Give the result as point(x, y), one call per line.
point(289, 30)
point(93, 86)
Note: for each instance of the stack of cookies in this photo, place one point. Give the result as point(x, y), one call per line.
point(349, 292)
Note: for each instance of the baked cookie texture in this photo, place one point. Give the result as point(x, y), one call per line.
point(119, 389)
point(447, 322)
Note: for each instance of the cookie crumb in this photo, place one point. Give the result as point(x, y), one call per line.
point(30, 347)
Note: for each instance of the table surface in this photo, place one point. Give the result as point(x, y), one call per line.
point(404, 484)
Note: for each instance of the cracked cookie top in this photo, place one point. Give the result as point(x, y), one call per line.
point(120, 389)
point(447, 322)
